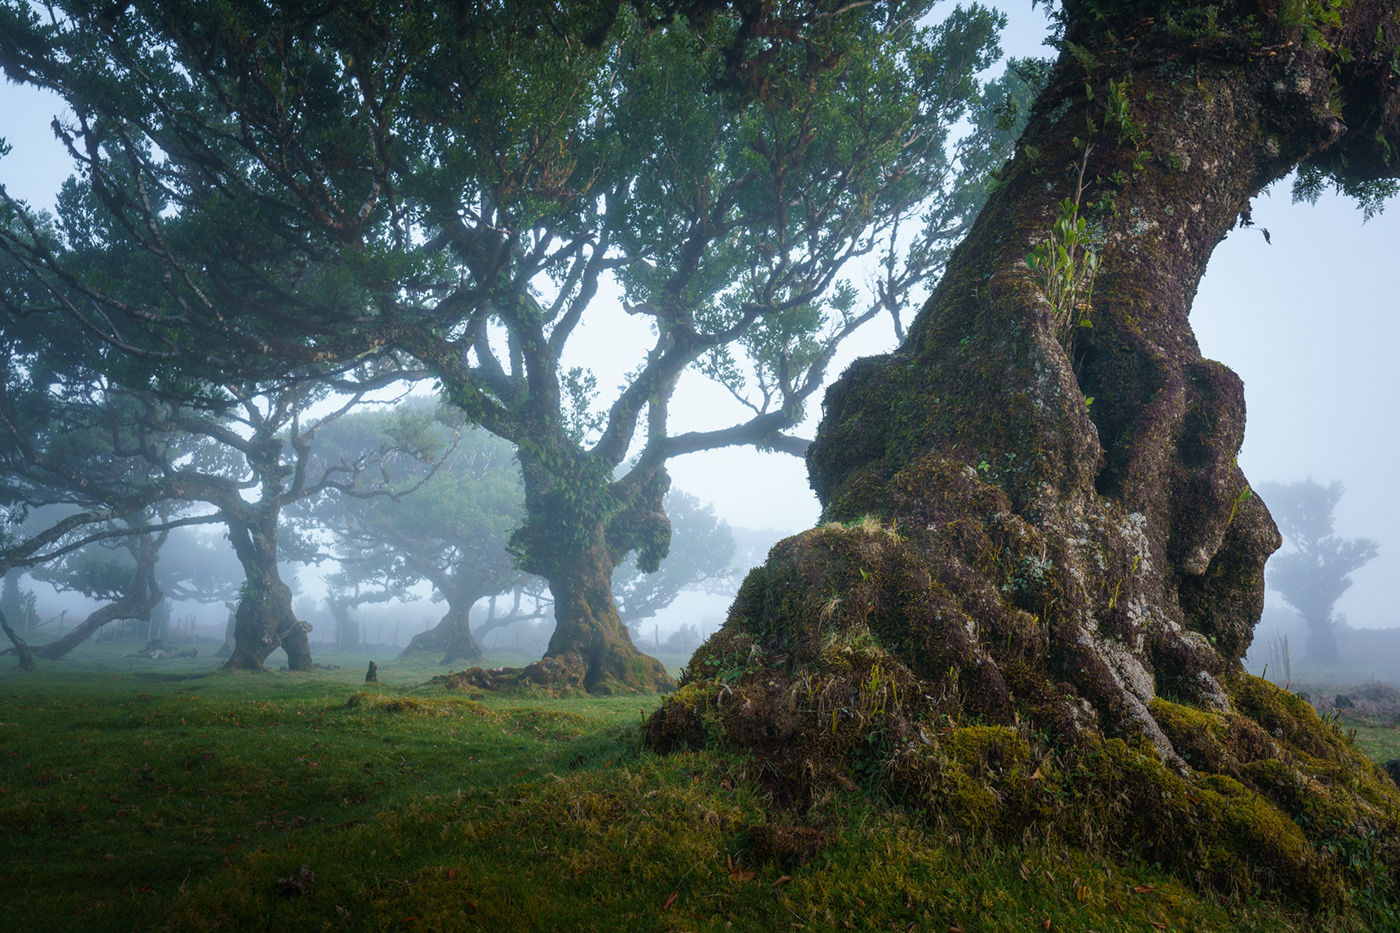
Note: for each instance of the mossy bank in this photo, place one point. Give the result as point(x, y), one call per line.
point(131, 802)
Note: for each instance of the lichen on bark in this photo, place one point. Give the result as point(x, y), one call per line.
point(1041, 566)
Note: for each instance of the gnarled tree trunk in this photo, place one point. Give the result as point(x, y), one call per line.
point(589, 637)
point(451, 637)
point(26, 656)
point(264, 620)
point(126, 609)
point(1042, 528)
point(574, 539)
point(139, 602)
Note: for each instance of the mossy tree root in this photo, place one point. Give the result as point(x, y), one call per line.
point(1042, 564)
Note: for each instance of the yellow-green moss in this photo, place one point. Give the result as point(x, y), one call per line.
point(1199, 736)
point(1248, 841)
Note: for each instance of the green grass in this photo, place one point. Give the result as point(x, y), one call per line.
point(1380, 741)
point(134, 799)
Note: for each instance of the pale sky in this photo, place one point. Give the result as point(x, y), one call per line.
point(1308, 322)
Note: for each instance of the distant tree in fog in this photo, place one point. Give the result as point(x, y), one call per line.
point(455, 532)
point(119, 573)
point(701, 558)
point(199, 567)
point(346, 591)
point(451, 532)
point(70, 485)
point(470, 204)
point(17, 604)
point(1314, 574)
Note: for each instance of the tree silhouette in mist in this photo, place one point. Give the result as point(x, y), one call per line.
point(1314, 574)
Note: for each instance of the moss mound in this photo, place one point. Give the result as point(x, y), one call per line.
point(843, 660)
point(562, 676)
point(545, 678)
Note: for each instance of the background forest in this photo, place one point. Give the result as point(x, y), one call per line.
point(399, 406)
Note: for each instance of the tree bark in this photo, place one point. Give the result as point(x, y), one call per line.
point(578, 528)
point(26, 657)
point(230, 627)
point(1042, 528)
point(590, 641)
point(126, 609)
point(1104, 476)
point(140, 601)
point(264, 620)
point(452, 636)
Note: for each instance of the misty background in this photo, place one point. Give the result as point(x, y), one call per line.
point(1306, 318)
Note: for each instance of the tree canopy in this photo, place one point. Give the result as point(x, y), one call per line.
point(397, 184)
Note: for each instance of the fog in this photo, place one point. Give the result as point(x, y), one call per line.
point(1306, 318)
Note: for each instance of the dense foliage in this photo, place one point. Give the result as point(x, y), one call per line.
point(264, 191)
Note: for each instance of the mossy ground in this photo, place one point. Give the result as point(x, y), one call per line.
point(136, 800)
point(1272, 801)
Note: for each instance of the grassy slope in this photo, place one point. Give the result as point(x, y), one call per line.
point(129, 799)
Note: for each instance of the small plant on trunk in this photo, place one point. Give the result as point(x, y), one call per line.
point(1065, 266)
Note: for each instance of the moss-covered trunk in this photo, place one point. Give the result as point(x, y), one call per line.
point(452, 636)
point(580, 524)
point(589, 637)
point(1036, 519)
point(264, 620)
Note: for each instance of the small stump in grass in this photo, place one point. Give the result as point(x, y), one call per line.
point(303, 882)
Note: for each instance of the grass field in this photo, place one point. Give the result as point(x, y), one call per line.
point(164, 797)
point(1379, 742)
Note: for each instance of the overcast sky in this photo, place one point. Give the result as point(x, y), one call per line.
point(1308, 322)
